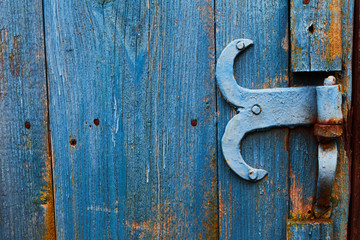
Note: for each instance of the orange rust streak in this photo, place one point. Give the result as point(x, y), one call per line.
point(211, 205)
point(300, 209)
point(328, 131)
point(49, 209)
point(225, 212)
point(335, 29)
point(48, 193)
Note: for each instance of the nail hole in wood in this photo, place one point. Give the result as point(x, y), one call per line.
point(73, 142)
point(96, 122)
point(194, 122)
point(311, 28)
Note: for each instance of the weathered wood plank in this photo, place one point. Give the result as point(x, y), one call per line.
point(303, 173)
point(315, 28)
point(145, 70)
point(255, 210)
point(303, 177)
point(26, 201)
point(341, 196)
point(310, 230)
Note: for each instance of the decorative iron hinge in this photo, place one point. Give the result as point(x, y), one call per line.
point(259, 109)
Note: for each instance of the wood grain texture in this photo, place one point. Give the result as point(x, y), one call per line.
point(310, 230)
point(341, 194)
point(134, 122)
point(243, 213)
point(255, 210)
point(145, 70)
point(26, 202)
point(315, 30)
point(302, 207)
point(303, 151)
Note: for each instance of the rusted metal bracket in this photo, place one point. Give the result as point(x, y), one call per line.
point(328, 128)
point(261, 109)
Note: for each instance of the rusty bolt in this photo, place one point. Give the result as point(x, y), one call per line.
point(253, 175)
point(240, 45)
point(256, 109)
point(306, 1)
point(328, 132)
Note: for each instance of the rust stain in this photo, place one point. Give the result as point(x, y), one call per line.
point(301, 208)
point(141, 229)
point(312, 221)
point(166, 226)
point(324, 33)
point(47, 193)
point(332, 121)
point(335, 30)
point(144, 225)
point(48, 200)
point(328, 131)
point(225, 212)
point(211, 205)
point(295, 50)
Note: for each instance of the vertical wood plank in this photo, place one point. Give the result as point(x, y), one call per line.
point(182, 63)
point(315, 29)
point(341, 194)
point(26, 201)
point(255, 210)
point(310, 230)
point(145, 70)
point(303, 173)
point(303, 153)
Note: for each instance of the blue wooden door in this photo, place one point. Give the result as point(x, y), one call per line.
point(112, 120)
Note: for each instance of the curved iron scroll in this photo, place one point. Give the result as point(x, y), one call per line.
point(257, 109)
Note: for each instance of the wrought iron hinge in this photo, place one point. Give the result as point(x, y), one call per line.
point(259, 109)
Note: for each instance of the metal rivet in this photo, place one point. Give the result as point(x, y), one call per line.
point(256, 109)
point(240, 46)
point(253, 175)
point(330, 81)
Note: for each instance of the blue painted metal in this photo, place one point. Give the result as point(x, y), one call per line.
point(330, 117)
point(329, 101)
point(327, 157)
point(265, 108)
